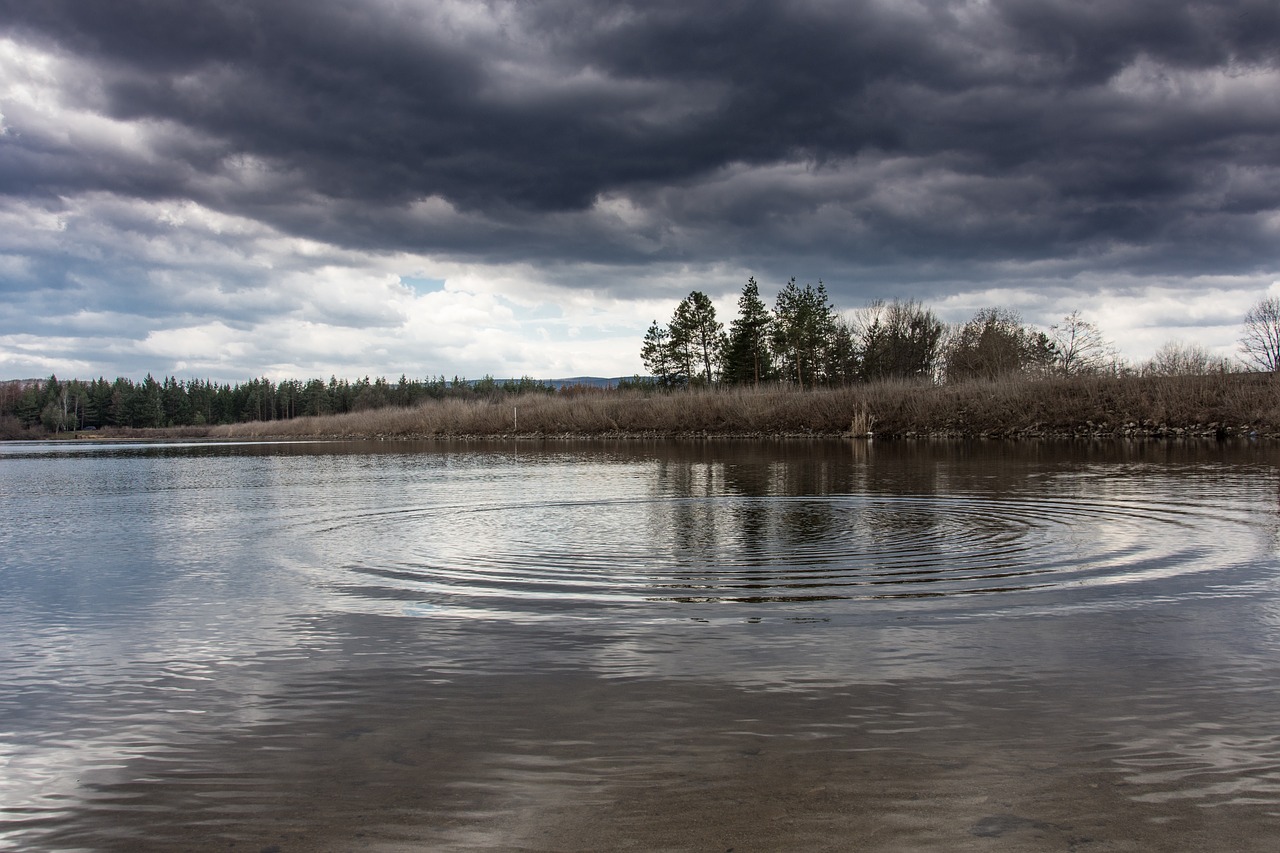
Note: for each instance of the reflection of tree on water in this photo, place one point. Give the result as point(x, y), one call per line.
point(818, 520)
point(692, 518)
point(702, 524)
point(747, 522)
point(833, 519)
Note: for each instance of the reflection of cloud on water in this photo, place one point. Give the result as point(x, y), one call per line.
point(196, 586)
point(776, 651)
point(44, 779)
point(1202, 763)
point(148, 613)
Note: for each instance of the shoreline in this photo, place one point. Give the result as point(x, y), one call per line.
point(1211, 432)
point(1215, 406)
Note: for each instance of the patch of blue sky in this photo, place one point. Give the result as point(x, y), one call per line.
point(422, 285)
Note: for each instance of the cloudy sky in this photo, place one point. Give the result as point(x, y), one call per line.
point(299, 188)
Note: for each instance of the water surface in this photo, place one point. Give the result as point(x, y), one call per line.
point(560, 646)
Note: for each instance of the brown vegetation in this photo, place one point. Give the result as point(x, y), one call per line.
point(1222, 404)
point(11, 429)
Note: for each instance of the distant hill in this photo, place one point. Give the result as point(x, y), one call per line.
point(593, 381)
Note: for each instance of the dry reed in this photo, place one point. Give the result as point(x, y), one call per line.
point(1213, 404)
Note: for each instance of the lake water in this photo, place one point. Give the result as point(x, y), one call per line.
point(659, 646)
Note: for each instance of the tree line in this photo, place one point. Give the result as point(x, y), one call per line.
point(56, 405)
point(805, 342)
point(802, 341)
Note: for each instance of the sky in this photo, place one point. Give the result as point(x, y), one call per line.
point(306, 188)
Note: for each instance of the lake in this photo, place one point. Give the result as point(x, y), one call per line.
point(738, 645)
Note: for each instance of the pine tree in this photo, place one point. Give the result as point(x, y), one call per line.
point(698, 338)
point(748, 359)
point(658, 357)
point(804, 321)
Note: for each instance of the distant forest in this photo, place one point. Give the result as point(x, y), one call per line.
point(58, 406)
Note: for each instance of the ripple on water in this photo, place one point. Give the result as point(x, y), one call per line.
point(579, 556)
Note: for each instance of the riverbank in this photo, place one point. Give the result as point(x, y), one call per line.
point(1218, 405)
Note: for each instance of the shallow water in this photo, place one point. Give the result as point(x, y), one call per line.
point(560, 646)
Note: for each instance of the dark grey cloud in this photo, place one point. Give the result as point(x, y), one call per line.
point(959, 134)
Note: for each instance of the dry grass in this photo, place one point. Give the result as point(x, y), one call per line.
point(1220, 403)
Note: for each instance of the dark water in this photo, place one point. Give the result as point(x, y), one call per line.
point(757, 646)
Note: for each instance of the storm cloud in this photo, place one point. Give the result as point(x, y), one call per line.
point(199, 163)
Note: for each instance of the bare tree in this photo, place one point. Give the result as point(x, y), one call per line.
point(1260, 343)
point(996, 343)
point(898, 339)
point(1176, 358)
point(1079, 347)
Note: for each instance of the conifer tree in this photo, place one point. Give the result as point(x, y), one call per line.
point(804, 322)
point(698, 338)
point(748, 358)
point(657, 355)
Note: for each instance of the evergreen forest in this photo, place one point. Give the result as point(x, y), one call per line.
point(58, 406)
